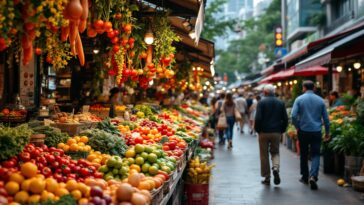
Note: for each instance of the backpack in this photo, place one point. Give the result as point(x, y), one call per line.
point(249, 102)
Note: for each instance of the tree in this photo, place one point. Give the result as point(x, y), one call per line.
point(242, 54)
point(215, 25)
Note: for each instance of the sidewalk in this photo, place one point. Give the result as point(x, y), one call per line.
point(236, 180)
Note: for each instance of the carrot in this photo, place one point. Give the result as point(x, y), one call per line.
point(73, 31)
point(82, 26)
point(79, 49)
point(73, 48)
point(65, 31)
point(27, 55)
point(74, 9)
point(84, 4)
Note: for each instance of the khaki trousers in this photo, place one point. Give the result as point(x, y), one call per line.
point(269, 142)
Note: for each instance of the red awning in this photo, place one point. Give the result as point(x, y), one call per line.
point(311, 71)
point(281, 75)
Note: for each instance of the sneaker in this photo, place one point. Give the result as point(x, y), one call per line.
point(313, 183)
point(266, 182)
point(304, 180)
point(277, 179)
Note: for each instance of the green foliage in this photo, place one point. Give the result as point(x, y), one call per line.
point(64, 200)
point(107, 126)
point(214, 26)
point(13, 140)
point(105, 142)
point(53, 135)
point(351, 140)
point(360, 110)
point(242, 54)
point(164, 38)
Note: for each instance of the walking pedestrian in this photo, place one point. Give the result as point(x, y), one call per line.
point(271, 121)
point(229, 109)
point(213, 119)
point(242, 107)
point(252, 112)
point(308, 112)
point(218, 106)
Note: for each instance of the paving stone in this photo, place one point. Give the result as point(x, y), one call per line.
point(236, 180)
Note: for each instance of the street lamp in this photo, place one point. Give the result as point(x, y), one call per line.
point(149, 37)
point(339, 68)
point(357, 65)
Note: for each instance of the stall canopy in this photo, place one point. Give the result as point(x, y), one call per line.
point(281, 75)
point(325, 55)
point(311, 71)
point(314, 46)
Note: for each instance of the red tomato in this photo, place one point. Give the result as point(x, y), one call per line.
point(99, 24)
point(25, 156)
point(166, 148)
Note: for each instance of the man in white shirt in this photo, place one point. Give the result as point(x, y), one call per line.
point(242, 107)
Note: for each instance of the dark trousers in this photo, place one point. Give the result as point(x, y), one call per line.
point(310, 141)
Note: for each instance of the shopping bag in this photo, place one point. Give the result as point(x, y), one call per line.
point(237, 115)
point(222, 122)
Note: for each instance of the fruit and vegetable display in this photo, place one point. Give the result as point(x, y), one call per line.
point(13, 140)
point(105, 142)
point(122, 162)
point(63, 117)
point(199, 172)
point(53, 135)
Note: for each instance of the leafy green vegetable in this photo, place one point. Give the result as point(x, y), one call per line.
point(64, 200)
point(53, 135)
point(105, 142)
point(107, 126)
point(13, 140)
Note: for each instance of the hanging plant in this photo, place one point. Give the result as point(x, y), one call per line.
point(163, 43)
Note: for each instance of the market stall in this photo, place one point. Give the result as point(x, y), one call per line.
point(58, 144)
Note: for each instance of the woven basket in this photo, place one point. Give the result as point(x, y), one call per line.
point(37, 139)
point(358, 183)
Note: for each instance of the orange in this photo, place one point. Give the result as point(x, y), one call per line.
point(62, 191)
point(136, 167)
point(25, 184)
point(16, 177)
point(83, 188)
point(77, 138)
point(71, 141)
point(14, 203)
point(45, 196)
point(76, 194)
point(12, 187)
point(151, 183)
point(71, 185)
point(34, 199)
point(97, 161)
point(144, 185)
point(66, 148)
point(61, 145)
point(83, 201)
point(84, 139)
point(21, 197)
point(81, 144)
point(87, 148)
point(91, 157)
point(74, 147)
point(51, 185)
point(40, 176)
point(29, 169)
point(62, 185)
point(37, 186)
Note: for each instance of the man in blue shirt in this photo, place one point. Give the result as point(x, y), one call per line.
point(308, 112)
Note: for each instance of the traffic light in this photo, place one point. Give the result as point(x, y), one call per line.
point(278, 37)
